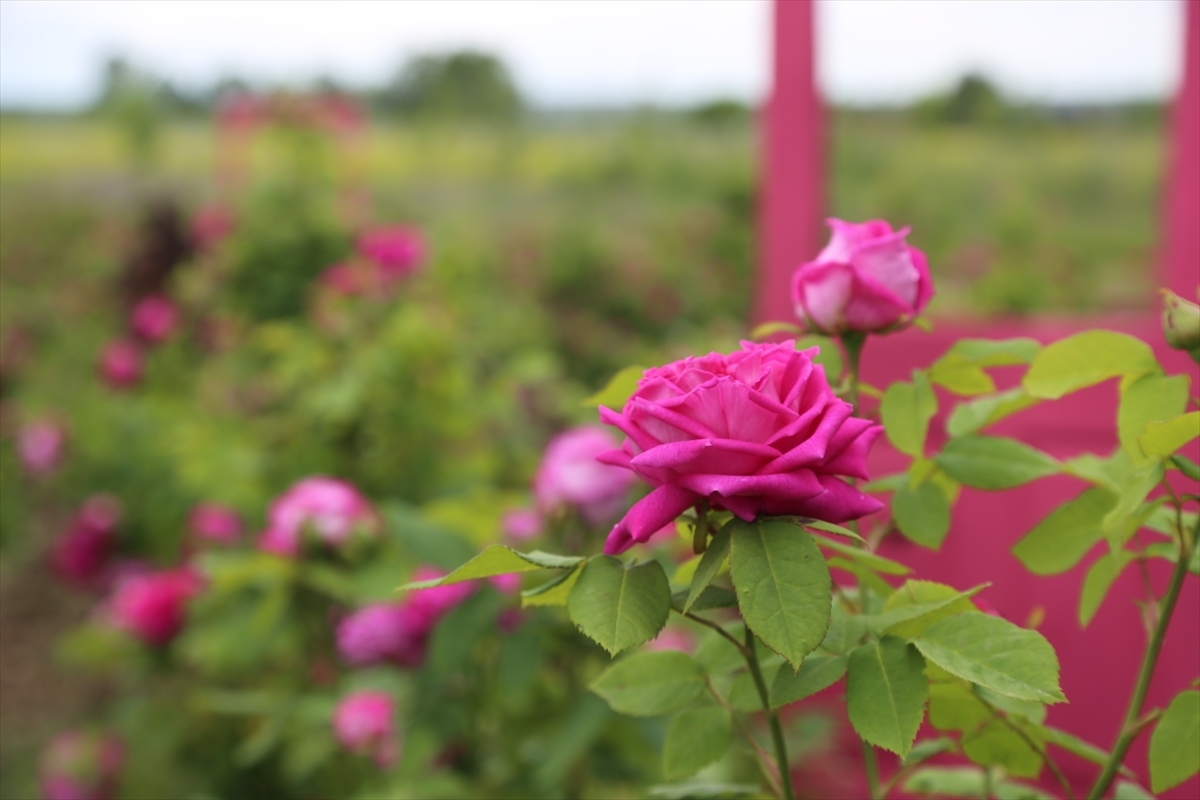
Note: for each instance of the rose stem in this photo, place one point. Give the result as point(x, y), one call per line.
point(781, 756)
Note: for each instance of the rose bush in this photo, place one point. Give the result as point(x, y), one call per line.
point(81, 765)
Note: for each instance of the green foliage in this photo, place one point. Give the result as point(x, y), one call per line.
point(1151, 398)
point(907, 409)
point(618, 390)
point(816, 673)
point(922, 513)
point(1099, 579)
point(1086, 359)
point(918, 604)
point(1162, 438)
point(992, 462)
point(620, 606)
point(961, 369)
point(465, 84)
point(498, 560)
point(1059, 541)
point(710, 563)
point(1175, 744)
point(651, 684)
point(886, 690)
point(695, 739)
point(972, 417)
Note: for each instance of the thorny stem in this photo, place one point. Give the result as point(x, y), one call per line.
point(764, 758)
point(781, 756)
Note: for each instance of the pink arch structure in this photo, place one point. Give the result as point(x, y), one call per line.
point(1098, 664)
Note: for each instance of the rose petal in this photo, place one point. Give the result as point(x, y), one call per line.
point(647, 516)
point(720, 456)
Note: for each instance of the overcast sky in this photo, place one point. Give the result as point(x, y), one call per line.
point(585, 52)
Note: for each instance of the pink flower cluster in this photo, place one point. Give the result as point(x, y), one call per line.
point(82, 554)
point(757, 431)
point(364, 723)
point(40, 445)
point(153, 606)
point(78, 765)
point(154, 319)
point(329, 510)
point(385, 256)
point(570, 476)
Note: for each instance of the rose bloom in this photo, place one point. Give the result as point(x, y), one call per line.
point(40, 447)
point(364, 723)
point(866, 280)
point(77, 765)
point(121, 363)
point(82, 553)
point(757, 431)
point(153, 606)
point(570, 475)
point(154, 319)
point(332, 510)
point(383, 633)
point(521, 524)
point(215, 523)
point(397, 251)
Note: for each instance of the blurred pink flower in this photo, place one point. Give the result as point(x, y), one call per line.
point(331, 509)
point(673, 639)
point(521, 524)
point(570, 475)
point(397, 251)
point(342, 279)
point(154, 319)
point(364, 723)
point(78, 765)
point(509, 583)
point(215, 523)
point(386, 632)
point(210, 226)
point(433, 604)
point(40, 446)
point(81, 554)
point(121, 363)
point(153, 606)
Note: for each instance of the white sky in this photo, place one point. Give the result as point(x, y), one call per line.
point(584, 52)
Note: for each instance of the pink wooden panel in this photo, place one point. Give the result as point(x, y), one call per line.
point(1182, 214)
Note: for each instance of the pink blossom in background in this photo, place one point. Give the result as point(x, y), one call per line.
point(341, 279)
point(672, 639)
point(383, 633)
point(153, 606)
point(333, 510)
point(521, 524)
point(397, 251)
point(866, 280)
point(570, 475)
point(79, 765)
point(210, 226)
point(81, 555)
point(364, 723)
point(758, 431)
point(215, 523)
point(121, 363)
point(506, 584)
point(40, 447)
point(436, 602)
point(154, 319)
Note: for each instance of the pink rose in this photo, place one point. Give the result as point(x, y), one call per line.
point(81, 554)
point(521, 525)
point(210, 225)
point(332, 510)
point(570, 475)
point(154, 319)
point(77, 765)
point(153, 606)
point(215, 523)
point(866, 280)
point(40, 447)
point(397, 251)
point(383, 633)
point(364, 723)
point(757, 431)
point(121, 363)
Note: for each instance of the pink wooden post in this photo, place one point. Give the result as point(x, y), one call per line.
point(792, 196)
point(1181, 263)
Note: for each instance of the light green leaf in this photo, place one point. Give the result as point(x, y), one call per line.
point(1175, 744)
point(696, 739)
point(996, 744)
point(996, 654)
point(992, 462)
point(783, 585)
point(1131, 791)
point(709, 566)
point(845, 631)
point(704, 790)
point(961, 369)
point(865, 575)
point(829, 527)
point(743, 694)
point(886, 690)
point(888, 483)
point(918, 604)
point(972, 417)
point(906, 411)
point(1071, 743)
point(954, 707)
point(718, 655)
point(1127, 514)
point(1151, 398)
point(816, 673)
point(552, 593)
point(922, 514)
point(651, 684)
point(767, 329)
point(498, 560)
point(865, 557)
point(1086, 359)
point(1164, 438)
point(1030, 710)
point(946, 782)
point(619, 389)
point(928, 748)
point(617, 606)
point(1059, 541)
point(1099, 579)
point(830, 356)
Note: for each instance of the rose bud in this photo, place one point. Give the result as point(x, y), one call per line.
point(77, 765)
point(214, 523)
point(570, 475)
point(154, 319)
point(331, 511)
point(383, 633)
point(758, 431)
point(121, 363)
point(40, 447)
point(364, 724)
point(81, 555)
point(396, 251)
point(153, 606)
point(866, 280)
point(1181, 324)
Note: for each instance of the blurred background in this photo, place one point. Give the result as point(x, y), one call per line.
point(582, 180)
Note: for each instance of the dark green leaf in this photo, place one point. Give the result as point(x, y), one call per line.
point(1175, 744)
point(886, 690)
point(498, 560)
point(992, 462)
point(816, 673)
point(922, 514)
point(712, 597)
point(918, 604)
point(617, 606)
point(996, 744)
point(1059, 541)
point(1186, 466)
point(954, 707)
point(651, 684)
point(710, 564)
point(696, 739)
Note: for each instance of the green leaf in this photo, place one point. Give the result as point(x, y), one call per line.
point(888, 483)
point(906, 411)
point(1151, 398)
point(946, 782)
point(718, 655)
point(865, 575)
point(552, 593)
point(961, 369)
point(865, 557)
point(617, 606)
point(1126, 515)
point(830, 356)
point(710, 564)
point(1175, 744)
point(992, 462)
point(886, 690)
point(696, 739)
point(816, 673)
point(651, 684)
point(996, 744)
point(619, 389)
point(767, 329)
point(918, 604)
point(712, 597)
point(783, 585)
point(1185, 465)
point(1086, 359)
point(928, 748)
point(972, 417)
point(1099, 580)
point(996, 654)
point(954, 707)
point(704, 790)
point(743, 694)
point(1161, 439)
point(845, 631)
point(1059, 541)
point(498, 560)
point(1072, 744)
point(829, 527)
point(1130, 791)
point(922, 514)
point(1030, 710)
